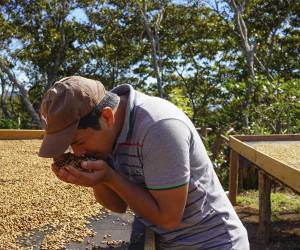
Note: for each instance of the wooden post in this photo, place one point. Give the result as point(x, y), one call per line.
point(203, 131)
point(149, 240)
point(233, 176)
point(216, 147)
point(264, 228)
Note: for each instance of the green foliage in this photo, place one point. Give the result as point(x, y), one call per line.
point(6, 123)
point(221, 168)
point(177, 97)
point(248, 198)
point(277, 108)
point(281, 202)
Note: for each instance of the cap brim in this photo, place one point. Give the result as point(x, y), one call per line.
point(57, 143)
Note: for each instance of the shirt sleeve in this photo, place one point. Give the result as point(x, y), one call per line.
point(166, 155)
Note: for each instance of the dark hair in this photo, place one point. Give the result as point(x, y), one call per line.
point(91, 120)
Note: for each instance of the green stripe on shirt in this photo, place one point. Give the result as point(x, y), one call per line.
point(166, 188)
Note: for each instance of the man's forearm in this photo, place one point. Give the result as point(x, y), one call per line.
point(109, 199)
point(137, 198)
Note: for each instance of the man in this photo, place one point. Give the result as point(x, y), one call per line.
point(158, 164)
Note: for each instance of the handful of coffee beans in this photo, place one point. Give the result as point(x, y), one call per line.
point(73, 160)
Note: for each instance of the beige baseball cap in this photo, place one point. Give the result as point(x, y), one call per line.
point(63, 105)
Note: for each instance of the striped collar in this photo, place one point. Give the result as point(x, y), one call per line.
point(128, 121)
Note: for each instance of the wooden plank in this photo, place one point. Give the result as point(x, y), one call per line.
point(275, 137)
point(242, 148)
point(149, 240)
point(233, 176)
point(20, 134)
point(264, 228)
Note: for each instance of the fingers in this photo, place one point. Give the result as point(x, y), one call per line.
point(99, 169)
point(93, 165)
point(55, 169)
point(64, 174)
point(75, 172)
point(75, 176)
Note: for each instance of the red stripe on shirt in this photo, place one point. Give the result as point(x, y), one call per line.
point(131, 144)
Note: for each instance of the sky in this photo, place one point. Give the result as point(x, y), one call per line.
point(79, 15)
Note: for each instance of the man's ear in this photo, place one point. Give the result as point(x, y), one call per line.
point(107, 118)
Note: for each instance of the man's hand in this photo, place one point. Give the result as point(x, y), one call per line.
point(101, 172)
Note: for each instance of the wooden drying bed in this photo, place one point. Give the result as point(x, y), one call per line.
point(270, 165)
point(12, 134)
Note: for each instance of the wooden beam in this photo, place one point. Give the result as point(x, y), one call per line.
point(264, 228)
point(233, 176)
point(242, 148)
point(275, 137)
point(149, 240)
point(20, 134)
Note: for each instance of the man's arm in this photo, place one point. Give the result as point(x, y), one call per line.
point(109, 199)
point(163, 208)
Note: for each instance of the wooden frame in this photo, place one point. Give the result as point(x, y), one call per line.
point(281, 171)
point(269, 168)
point(21, 134)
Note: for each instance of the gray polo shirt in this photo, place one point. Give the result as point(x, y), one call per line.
point(159, 148)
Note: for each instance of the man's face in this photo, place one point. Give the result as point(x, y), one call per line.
point(91, 142)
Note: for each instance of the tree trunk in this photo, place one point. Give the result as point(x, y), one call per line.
point(3, 98)
point(154, 40)
point(248, 49)
point(53, 71)
point(24, 94)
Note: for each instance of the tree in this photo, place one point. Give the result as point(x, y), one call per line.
point(153, 36)
point(4, 69)
point(48, 38)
